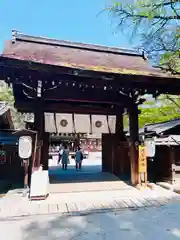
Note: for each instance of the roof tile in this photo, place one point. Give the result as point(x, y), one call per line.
point(79, 55)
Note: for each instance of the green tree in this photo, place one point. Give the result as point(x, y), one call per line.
point(165, 108)
point(6, 95)
point(157, 23)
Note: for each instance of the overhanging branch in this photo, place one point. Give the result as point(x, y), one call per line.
point(172, 100)
point(141, 16)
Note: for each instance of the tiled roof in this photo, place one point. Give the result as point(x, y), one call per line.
point(161, 127)
point(79, 55)
point(172, 140)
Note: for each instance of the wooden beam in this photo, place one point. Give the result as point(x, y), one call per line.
point(69, 108)
point(81, 92)
point(85, 95)
point(17, 68)
point(9, 64)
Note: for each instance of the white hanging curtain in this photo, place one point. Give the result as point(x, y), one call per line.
point(99, 124)
point(49, 123)
point(112, 123)
point(82, 123)
point(64, 123)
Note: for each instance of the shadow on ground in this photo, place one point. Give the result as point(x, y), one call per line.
point(92, 173)
point(84, 227)
point(141, 224)
point(6, 186)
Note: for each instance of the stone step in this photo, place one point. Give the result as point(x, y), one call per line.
point(34, 208)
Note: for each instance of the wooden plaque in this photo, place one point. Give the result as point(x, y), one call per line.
point(142, 165)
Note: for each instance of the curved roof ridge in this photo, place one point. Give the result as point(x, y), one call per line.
point(17, 36)
point(159, 123)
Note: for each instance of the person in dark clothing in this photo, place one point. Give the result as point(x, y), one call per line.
point(78, 158)
point(65, 158)
point(60, 154)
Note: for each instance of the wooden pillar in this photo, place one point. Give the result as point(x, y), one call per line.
point(26, 162)
point(45, 151)
point(119, 125)
point(172, 164)
point(77, 141)
point(39, 127)
point(117, 161)
point(107, 152)
point(134, 143)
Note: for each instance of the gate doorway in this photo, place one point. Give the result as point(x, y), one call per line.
point(101, 170)
point(89, 178)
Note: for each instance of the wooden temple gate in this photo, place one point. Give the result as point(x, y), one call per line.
point(64, 77)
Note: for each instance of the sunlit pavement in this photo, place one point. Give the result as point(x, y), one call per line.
point(84, 192)
point(142, 224)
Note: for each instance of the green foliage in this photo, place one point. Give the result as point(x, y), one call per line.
point(171, 60)
point(6, 95)
point(164, 109)
point(154, 115)
point(157, 22)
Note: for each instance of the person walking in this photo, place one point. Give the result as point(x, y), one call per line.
point(60, 153)
point(78, 159)
point(65, 158)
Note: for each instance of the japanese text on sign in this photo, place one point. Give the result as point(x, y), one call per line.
point(142, 160)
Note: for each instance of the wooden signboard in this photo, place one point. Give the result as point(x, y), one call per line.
point(142, 160)
point(39, 189)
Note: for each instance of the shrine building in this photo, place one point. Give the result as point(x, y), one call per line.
point(76, 88)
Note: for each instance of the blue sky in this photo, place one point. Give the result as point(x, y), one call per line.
point(74, 20)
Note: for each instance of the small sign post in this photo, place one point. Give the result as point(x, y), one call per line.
point(142, 164)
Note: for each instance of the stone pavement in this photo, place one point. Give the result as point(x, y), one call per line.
point(142, 224)
point(84, 192)
point(90, 178)
point(15, 205)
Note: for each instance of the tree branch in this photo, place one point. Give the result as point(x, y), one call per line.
point(157, 23)
point(173, 101)
point(161, 4)
point(131, 15)
point(173, 8)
